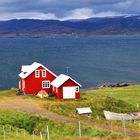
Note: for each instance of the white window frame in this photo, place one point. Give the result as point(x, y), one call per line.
point(56, 89)
point(45, 82)
point(53, 88)
point(43, 74)
point(37, 75)
point(77, 89)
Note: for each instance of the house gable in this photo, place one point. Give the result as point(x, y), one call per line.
point(34, 84)
point(31, 69)
point(61, 79)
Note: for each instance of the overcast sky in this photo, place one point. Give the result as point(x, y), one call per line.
point(66, 9)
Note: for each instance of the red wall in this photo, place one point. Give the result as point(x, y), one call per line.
point(68, 83)
point(33, 85)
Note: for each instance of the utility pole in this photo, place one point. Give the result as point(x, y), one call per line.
point(67, 70)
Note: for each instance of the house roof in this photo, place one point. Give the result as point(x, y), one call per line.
point(83, 110)
point(25, 68)
point(61, 79)
point(31, 68)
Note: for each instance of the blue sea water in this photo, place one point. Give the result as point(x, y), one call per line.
point(92, 60)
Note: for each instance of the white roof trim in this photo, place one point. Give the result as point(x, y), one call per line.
point(61, 79)
point(31, 69)
point(84, 110)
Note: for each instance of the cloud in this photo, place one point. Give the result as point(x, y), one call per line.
point(108, 14)
point(28, 15)
point(81, 13)
point(66, 9)
point(84, 13)
point(125, 4)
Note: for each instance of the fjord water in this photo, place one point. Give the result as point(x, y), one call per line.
point(92, 60)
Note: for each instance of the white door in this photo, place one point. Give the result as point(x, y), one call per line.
point(68, 92)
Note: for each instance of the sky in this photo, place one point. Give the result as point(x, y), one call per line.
point(66, 9)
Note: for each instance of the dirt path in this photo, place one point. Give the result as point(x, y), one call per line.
point(36, 107)
point(31, 106)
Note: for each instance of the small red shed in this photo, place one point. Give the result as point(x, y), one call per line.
point(35, 77)
point(64, 87)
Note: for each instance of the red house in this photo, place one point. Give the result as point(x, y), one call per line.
point(35, 77)
point(64, 87)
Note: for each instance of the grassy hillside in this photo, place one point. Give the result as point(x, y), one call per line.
point(124, 99)
point(23, 121)
point(130, 94)
point(113, 99)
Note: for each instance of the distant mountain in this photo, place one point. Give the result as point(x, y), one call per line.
point(121, 25)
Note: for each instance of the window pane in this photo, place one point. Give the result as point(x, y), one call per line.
point(43, 73)
point(37, 74)
point(46, 84)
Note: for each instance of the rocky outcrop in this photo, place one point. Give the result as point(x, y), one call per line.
point(114, 85)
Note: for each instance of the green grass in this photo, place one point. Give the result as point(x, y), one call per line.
point(130, 94)
point(112, 99)
point(123, 99)
point(24, 121)
point(8, 92)
point(14, 133)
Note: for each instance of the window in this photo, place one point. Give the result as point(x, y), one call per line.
point(77, 89)
point(45, 84)
point(43, 73)
point(37, 74)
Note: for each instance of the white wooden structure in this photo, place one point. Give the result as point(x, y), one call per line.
point(86, 111)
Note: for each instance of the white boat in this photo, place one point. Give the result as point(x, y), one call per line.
point(121, 116)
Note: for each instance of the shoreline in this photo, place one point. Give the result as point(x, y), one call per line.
point(109, 85)
point(104, 85)
point(69, 35)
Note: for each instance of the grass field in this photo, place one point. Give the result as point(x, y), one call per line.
point(130, 94)
point(126, 99)
point(26, 123)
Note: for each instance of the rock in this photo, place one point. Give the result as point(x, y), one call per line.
point(19, 92)
point(42, 94)
point(122, 84)
point(114, 85)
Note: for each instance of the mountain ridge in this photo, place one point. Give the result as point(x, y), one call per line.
point(120, 25)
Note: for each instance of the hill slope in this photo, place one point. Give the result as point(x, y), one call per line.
point(63, 111)
point(93, 26)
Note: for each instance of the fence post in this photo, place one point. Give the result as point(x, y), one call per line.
point(24, 133)
point(123, 126)
point(41, 136)
point(47, 133)
point(4, 135)
point(10, 130)
point(17, 132)
point(33, 135)
point(79, 124)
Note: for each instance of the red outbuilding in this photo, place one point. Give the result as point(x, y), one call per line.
point(35, 77)
point(64, 87)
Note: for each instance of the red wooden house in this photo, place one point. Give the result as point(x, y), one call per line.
point(35, 77)
point(64, 87)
